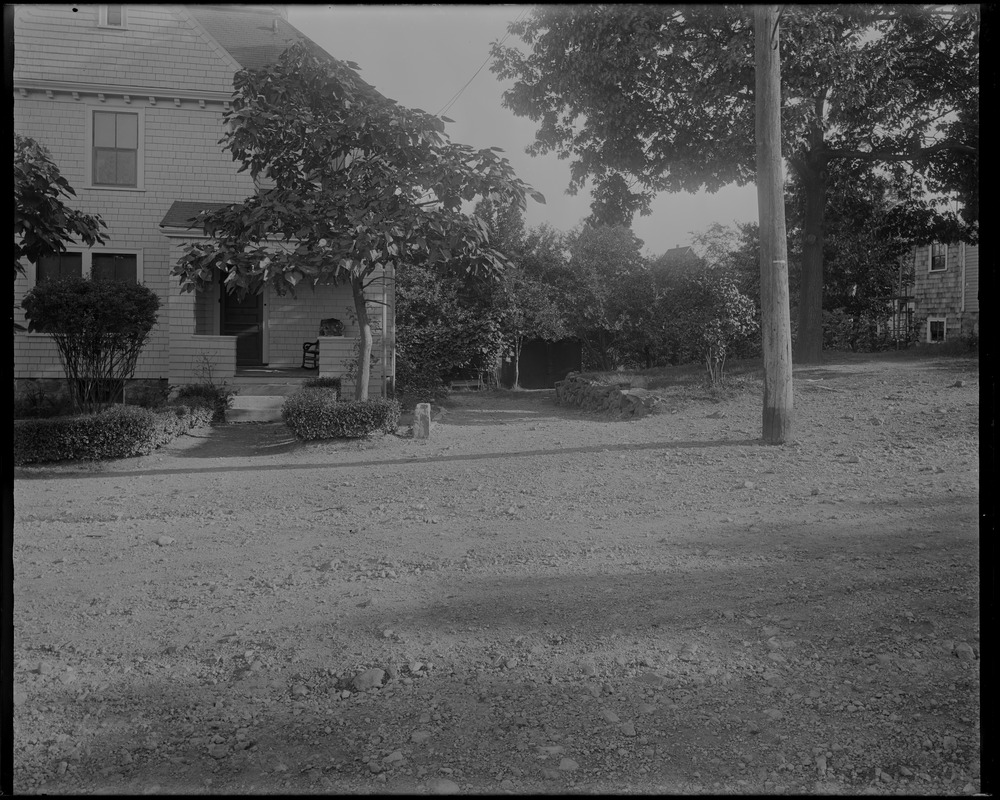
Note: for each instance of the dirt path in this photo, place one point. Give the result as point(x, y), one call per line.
point(557, 602)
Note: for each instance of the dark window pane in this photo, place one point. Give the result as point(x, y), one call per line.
point(114, 15)
point(113, 267)
point(939, 257)
point(63, 265)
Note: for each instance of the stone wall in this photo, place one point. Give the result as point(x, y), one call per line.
point(619, 400)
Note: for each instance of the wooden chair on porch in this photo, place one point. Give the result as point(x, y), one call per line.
point(310, 350)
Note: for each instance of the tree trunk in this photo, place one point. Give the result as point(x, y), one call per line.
point(365, 335)
point(517, 362)
point(775, 317)
point(809, 342)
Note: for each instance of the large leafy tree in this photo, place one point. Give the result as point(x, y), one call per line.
point(43, 223)
point(605, 290)
point(653, 98)
point(360, 185)
point(528, 306)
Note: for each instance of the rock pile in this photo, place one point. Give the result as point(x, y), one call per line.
point(619, 400)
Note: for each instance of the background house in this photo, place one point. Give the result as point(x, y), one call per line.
point(945, 291)
point(129, 100)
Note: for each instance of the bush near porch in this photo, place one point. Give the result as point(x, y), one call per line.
point(315, 413)
point(118, 432)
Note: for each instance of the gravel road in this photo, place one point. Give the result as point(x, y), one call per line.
point(535, 599)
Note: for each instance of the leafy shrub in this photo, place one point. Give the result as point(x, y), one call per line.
point(442, 329)
point(150, 394)
point(219, 398)
point(314, 413)
point(324, 383)
point(100, 327)
point(118, 432)
point(710, 318)
point(413, 386)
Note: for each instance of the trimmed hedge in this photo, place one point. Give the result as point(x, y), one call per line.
point(315, 413)
point(118, 432)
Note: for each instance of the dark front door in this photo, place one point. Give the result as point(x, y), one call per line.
point(244, 319)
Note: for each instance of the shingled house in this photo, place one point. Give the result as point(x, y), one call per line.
point(946, 291)
point(129, 100)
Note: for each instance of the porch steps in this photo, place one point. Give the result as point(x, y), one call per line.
point(260, 399)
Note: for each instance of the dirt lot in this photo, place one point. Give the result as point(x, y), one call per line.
point(557, 602)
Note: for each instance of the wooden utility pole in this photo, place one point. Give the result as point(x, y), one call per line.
point(775, 318)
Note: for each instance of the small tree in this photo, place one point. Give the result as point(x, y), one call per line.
point(709, 316)
point(42, 222)
point(607, 288)
point(360, 184)
point(100, 327)
point(530, 311)
point(443, 327)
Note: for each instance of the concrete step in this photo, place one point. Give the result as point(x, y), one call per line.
point(255, 408)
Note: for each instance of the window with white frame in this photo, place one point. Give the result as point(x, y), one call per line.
point(936, 327)
point(939, 257)
point(115, 148)
point(97, 264)
point(111, 16)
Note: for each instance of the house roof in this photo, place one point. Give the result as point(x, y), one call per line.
point(254, 35)
point(183, 212)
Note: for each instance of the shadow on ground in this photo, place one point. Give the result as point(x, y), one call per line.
point(39, 473)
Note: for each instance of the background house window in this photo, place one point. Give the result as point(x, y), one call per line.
point(114, 267)
point(95, 264)
point(112, 16)
point(62, 265)
point(939, 257)
point(936, 329)
point(116, 148)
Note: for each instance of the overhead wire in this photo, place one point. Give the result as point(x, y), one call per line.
point(458, 94)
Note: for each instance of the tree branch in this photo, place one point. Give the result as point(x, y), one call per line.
point(892, 155)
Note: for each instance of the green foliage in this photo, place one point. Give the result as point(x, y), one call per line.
point(314, 413)
point(218, 398)
point(606, 291)
point(528, 306)
point(99, 327)
point(43, 224)
point(709, 317)
point(444, 326)
point(863, 332)
point(360, 183)
point(650, 98)
point(323, 383)
point(119, 432)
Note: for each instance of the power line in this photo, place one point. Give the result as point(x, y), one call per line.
point(454, 97)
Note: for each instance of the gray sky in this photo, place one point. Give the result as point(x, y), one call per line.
point(421, 56)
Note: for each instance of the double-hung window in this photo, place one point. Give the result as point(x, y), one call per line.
point(111, 16)
point(59, 265)
point(936, 328)
point(115, 149)
point(96, 264)
point(939, 257)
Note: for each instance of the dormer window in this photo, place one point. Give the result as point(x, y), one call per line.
point(112, 16)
